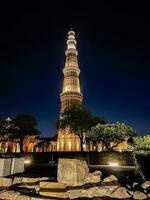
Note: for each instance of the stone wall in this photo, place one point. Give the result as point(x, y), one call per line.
point(17, 165)
point(5, 166)
point(9, 166)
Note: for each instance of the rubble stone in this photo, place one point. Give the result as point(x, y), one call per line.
point(71, 171)
point(139, 195)
point(5, 182)
point(103, 191)
point(23, 197)
point(146, 184)
point(8, 195)
point(17, 180)
point(110, 178)
point(97, 172)
point(91, 178)
point(120, 193)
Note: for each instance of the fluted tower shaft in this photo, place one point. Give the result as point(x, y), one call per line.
point(71, 92)
point(70, 95)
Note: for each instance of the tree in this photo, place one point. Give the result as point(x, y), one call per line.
point(111, 133)
point(141, 143)
point(78, 119)
point(97, 120)
point(7, 128)
point(27, 126)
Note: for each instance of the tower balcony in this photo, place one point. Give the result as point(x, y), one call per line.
point(71, 95)
point(71, 69)
point(71, 51)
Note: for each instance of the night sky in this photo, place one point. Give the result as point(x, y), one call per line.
point(114, 57)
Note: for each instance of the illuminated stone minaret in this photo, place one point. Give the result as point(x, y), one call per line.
point(71, 94)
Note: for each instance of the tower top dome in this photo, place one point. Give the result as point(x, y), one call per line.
point(71, 32)
point(71, 41)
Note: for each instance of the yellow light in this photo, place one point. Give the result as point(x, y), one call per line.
point(69, 145)
point(114, 164)
point(27, 161)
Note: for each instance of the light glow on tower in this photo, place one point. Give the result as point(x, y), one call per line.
point(71, 94)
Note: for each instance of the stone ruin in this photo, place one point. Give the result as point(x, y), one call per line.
point(9, 166)
point(73, 181)
point(76, 172)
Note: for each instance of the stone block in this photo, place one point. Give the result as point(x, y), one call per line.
point(110, 178)
point(71, 171)
point(103, 191)
point(146, 185)
point(92, 178)
point(97, 172)
point(53, 189)
point(17, 180)
point(5, 182)
point(23, 197)
point(29, 183)
point(34, 180)
point(40, 198)
point(28, 186)
point(120, 193)
point(8, 195)
point(52, 194)
point(5, 166)
point(52, 185)
point(139, 195)
point(76, 193)
point(17, 165)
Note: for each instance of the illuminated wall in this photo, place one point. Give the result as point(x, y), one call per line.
point(68, 141)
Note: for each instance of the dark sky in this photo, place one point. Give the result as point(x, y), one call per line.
point(114, 57)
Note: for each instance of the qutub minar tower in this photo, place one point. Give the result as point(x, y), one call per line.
point(70, 95)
